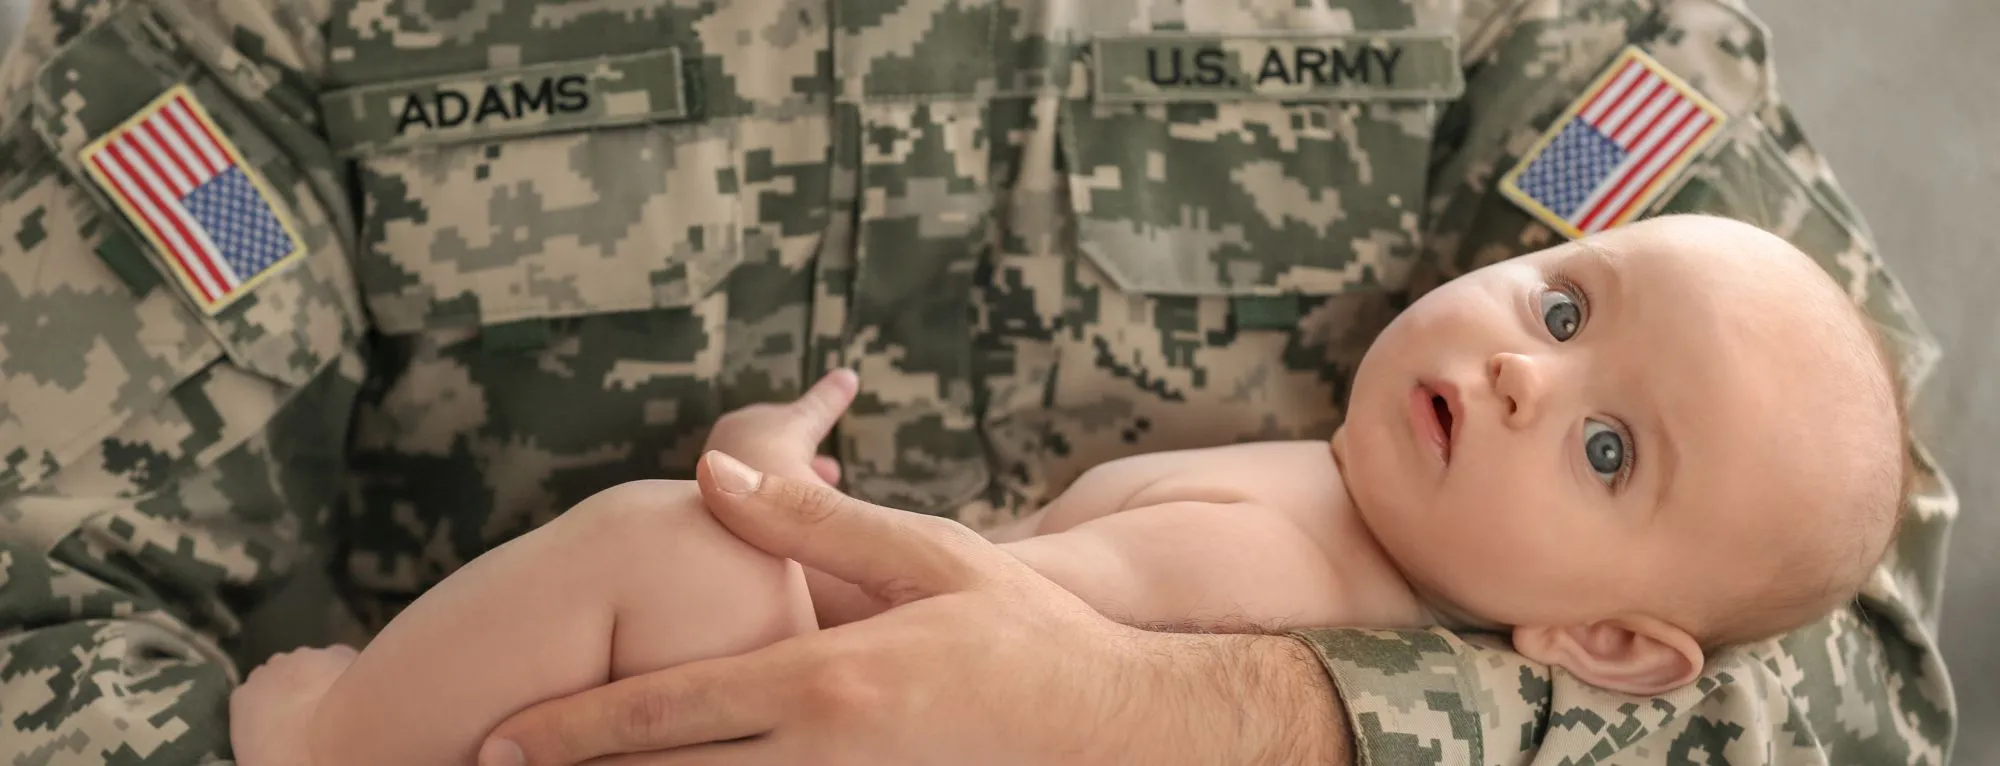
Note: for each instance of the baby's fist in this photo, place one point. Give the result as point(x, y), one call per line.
point(782, 438)
point(270, 713)
point(303, 669)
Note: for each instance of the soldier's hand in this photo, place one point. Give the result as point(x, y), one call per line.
point(783, 438)
point(979, 660)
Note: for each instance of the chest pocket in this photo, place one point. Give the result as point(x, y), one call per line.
point(556, 190)
point(1244, 208)
point(1263, 165)
point(127, 377)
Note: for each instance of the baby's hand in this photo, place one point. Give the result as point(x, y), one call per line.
point(271, 713)
point(784, 438)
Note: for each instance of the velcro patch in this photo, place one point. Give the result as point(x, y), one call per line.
point(1180, 66)
point(187, 189)
point(568, 95)
point(1614, 150)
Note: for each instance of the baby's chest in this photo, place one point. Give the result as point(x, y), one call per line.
point(1296, 476)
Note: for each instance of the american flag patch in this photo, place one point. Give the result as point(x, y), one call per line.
point(1615, 149)
point(187, 189)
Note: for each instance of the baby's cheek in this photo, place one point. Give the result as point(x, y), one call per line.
point(1493, 541)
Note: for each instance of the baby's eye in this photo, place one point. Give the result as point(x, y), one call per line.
point(1561, 314)
point(1606, 450)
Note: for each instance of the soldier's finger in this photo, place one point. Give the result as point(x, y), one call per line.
point(709, 701)
point(750, 752)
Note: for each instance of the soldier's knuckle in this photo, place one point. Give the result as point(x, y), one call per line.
point(902, 589)
point(814, 505)
point(643, 715)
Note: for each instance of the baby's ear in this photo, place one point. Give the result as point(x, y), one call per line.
point(1631, 655)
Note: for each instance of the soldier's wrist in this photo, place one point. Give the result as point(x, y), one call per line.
point(1242, 699)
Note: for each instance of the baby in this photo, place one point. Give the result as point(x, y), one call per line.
point(1625, 452)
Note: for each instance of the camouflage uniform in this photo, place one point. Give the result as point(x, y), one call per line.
point(1035, 264)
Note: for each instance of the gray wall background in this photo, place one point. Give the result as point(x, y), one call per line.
point(1904, 99)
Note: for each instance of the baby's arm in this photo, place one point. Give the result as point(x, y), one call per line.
point(1248, 537)
point(1217, 566)
point(636, 578)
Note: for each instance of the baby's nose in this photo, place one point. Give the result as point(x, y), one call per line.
point(1517, 381)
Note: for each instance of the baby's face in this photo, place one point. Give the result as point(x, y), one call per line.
point(1593, 431)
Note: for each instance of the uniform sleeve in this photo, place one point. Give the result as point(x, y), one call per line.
point(1864, 686)
point(162, 468)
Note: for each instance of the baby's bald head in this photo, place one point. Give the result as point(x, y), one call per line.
point(1834, 463)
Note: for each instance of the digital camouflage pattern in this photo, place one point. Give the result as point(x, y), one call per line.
point(505, 309)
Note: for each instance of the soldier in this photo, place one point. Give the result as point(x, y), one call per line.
point(393, 283)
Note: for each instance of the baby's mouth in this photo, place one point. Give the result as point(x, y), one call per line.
point(1443, 410)
point(1431, 405)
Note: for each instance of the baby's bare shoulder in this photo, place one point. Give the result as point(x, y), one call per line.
point(1294, 477)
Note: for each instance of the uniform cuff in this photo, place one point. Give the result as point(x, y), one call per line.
point(1404, 692)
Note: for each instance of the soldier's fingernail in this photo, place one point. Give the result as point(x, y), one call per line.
point(501, 752)
point(732, 476)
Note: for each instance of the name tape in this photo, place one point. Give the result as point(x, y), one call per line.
point(1174, 66)
point(586, 93)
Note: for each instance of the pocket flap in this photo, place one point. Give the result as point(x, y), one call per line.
point(1248, 198)
point(550, 226)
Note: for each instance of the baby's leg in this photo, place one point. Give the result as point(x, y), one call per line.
point(634, 579)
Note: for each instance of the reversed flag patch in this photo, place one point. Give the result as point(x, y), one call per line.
point(180, 181)
point(1615, 150)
